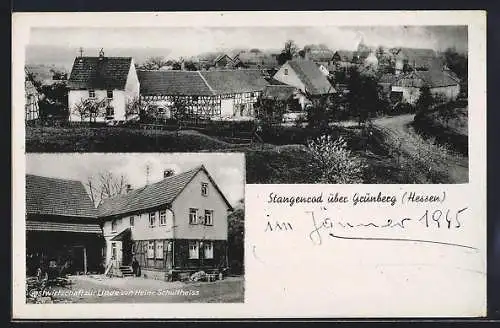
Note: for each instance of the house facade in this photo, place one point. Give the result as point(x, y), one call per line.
point(407, 87)
point(177, 225)
point(62, 229)
point(112, 80)
point(32, 97)
point(215, 95)
point(306, 76)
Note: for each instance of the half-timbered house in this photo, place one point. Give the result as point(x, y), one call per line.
point(216, 95)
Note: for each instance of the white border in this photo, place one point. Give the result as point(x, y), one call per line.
point(22, 22)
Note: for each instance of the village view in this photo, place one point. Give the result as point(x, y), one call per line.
point(301, 113)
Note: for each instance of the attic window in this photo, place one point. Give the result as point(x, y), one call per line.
point(204, 189)
point(286, 71)
point(109, 94)
point(91, 93)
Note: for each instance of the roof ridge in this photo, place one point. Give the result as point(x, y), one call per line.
point(54, 178)
point(206, 83)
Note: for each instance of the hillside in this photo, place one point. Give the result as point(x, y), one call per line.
point(448, 124)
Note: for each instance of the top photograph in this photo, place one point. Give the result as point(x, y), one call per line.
point(306, 104)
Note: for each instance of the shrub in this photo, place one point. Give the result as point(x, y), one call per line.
point(334, 161)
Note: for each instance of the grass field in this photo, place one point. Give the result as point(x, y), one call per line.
point(265, 162)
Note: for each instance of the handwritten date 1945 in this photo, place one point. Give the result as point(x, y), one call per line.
point(438, 217)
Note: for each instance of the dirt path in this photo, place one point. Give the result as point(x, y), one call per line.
point(398, 131)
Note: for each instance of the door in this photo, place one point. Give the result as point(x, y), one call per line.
point(226, 108)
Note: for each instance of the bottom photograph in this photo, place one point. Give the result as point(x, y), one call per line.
point(135, 227)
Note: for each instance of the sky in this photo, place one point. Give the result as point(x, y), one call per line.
point(190, 41)
point(228, 170)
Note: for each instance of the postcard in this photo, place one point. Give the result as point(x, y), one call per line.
point(249, 165)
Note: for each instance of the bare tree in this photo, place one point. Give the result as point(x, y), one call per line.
point(106, 185)
point(154, 63)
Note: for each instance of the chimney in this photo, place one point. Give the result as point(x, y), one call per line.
point(129, 188)
point(101, 54)
point(183, 65)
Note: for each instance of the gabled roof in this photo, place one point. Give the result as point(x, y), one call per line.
point(309, 73)
point(221, 56)
point(172, 82)
point(150, 196)
point(200, 83)
point(345, 55)
point(235, 81)
point(431, 78)
point(99, 73)
point(59, 197)
point(419, 57)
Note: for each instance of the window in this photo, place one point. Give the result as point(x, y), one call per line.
point(109, 94)
point(131, 221)
point(208, 248)
point(163, 217)
point(209, 217)
point(152, 219)
point(113, 225)
point(286, 71)
point(194, 252)
point(193, 216)
point(195, 98)
point(204, 189)
point(113, 251)
point(252, 94)
point(151, 249)
point(91, 93)
point(110, 111)
point(159, 249)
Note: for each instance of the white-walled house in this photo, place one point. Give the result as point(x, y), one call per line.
point(111, 78)
point(307, 77)
point(406, 87)
point(179, 224)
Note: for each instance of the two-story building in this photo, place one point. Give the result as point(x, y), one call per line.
point(109, 79)
point(306, 77)
point(177, 225)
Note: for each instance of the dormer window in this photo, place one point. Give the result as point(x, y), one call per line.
point(204, 189)
point(91, 93)
point(109, 94)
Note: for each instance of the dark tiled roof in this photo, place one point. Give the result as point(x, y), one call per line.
point(235, 81)
point(32, 225)
point(432, 78)
point(309, 73)
point(51, 196)
point(99, 73)
point(157, 194)
point(278, 92)
point(188, 83)
point(419, 57)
